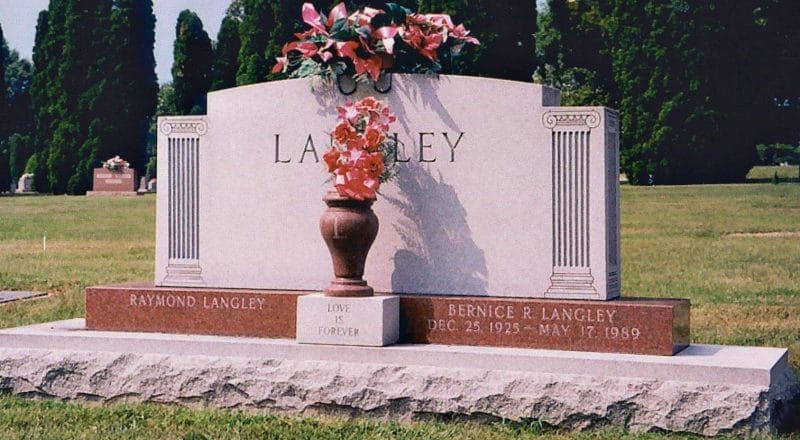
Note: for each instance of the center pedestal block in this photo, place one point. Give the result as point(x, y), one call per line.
point(368, 321)
point(624, 325)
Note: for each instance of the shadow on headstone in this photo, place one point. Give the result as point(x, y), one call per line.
point(439, 255)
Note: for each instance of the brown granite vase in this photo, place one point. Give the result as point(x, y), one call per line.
point(349, 228)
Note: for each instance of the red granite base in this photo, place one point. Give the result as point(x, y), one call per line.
point(627, 325)
point(145, 308)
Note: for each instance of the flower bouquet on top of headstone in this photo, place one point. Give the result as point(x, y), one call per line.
point(371, 41)
point(115, 164)
point(361, 147)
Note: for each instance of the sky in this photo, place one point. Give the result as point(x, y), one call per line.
point(18, 19)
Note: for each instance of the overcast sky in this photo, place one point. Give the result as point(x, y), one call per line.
point(18, 19)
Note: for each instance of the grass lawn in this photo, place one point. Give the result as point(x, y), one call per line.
point(734, 250)
point(765, 173)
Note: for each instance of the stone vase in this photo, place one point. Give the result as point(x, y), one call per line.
point(349, 228)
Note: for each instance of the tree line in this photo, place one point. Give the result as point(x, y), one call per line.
point(698, 84)
point(91, 94)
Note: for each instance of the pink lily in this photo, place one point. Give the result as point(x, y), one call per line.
point(461, 33)
point(312, 18)
point(386, 34)
point(338, 12)
point(281, 64)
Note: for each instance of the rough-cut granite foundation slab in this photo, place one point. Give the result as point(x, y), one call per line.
point(704, 389)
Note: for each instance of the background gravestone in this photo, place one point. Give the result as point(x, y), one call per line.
point(113, 181)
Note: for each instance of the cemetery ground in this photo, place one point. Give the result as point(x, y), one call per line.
point(734, 250)
point(789, 173)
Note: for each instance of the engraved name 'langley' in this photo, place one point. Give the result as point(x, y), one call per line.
point(190, 301)
point(427, 147)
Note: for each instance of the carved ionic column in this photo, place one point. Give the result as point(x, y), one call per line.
point(571, 142)
point(183, 184)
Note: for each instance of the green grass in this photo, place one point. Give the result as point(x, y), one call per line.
point(765, 173)
point(90, 240)
point(734, 250)
point(25, 418)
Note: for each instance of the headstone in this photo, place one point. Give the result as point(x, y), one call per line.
point(368, 321)
point(117, 179)
point(142, 185)
point(152, 185)
point(523, 203)
point(487, 220)
point(25, 184)
point(498, 250)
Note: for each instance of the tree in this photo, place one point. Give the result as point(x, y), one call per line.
point(778, 37)
point(19, 115)
point(3, 60)
point(191, 69)
point(575, 52)
point(266, 26)
point(45, 60)
point(226, 54)
point(4, 177)
point(506, 31)
point(134, 84)
point(165, 107)
point(678, 67)
point(254, 30)
point(86, 73)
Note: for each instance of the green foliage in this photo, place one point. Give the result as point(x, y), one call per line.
point(575, 52)
point(4, 174)
point(22, 417)
point(685, 113)
point(134, 85)
point(18, 76)
point(776, 154)
point(191, 68)
point(32, 165)
point(266, 25)
point(164, 107)
point(3, 62)
point(226, 54)
point(506, 32)
point(257, 22)
point(43, 90)
point(20, 150)
point(84, 74)
point(775, 73)
point(93, 89)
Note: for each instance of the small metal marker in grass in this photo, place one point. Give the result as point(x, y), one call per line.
point(7, 296)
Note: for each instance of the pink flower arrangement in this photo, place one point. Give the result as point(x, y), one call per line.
point(360, 143)
point(115, 163)
point(370, 41)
